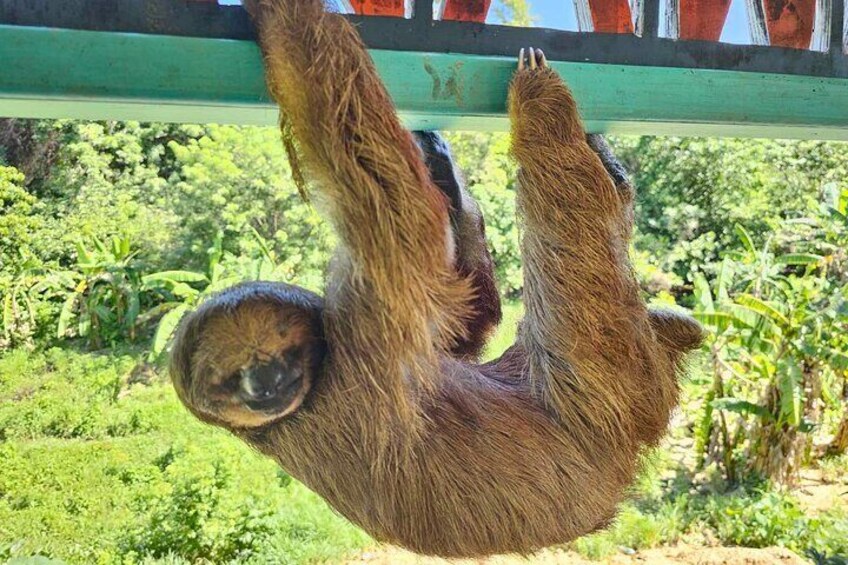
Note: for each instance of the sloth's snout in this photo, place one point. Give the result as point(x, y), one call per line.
point(269, 385)
point(258, 383)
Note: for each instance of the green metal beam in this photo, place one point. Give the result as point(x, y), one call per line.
point(52, 73)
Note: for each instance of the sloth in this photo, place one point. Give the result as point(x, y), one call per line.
point(373, 395)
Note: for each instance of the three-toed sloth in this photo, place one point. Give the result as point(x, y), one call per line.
point(372, 396)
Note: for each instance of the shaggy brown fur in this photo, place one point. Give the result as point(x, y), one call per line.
point(420, 448)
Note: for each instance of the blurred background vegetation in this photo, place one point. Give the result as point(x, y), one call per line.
point(109, 232)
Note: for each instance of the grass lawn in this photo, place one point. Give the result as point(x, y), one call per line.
point(95, 471)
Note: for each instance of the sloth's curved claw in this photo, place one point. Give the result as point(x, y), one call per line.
point(532, 58)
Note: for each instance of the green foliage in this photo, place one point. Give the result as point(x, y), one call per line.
point(62, 394)
point(107, 180)
point(101, 488)
point(169, 192)
point(101, 293)
point(180, 296)
point(776, 318)
point(18, 215)
point(23, 314)
point(514, 12)
point(692, 191)
point(236, 181)
point(85, 182)
point(759, 521)
point(754, 517)
point(767, 518)
point(505, 336)
point(19, 269)
point(740, 407)
point(192, 521)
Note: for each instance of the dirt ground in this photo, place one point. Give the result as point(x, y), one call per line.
point(681, 555)
point(818, 495)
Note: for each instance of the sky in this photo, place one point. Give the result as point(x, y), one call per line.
point(560, 14)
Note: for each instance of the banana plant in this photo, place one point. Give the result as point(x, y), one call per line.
point(18, 300)
point(184, 290)
point(101, 292)
point(725, 324)
point(768, 319)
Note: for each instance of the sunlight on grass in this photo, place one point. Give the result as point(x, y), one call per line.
point(112, 473)
point(505, 336)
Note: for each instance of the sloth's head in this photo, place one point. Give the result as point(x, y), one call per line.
point(249, 356)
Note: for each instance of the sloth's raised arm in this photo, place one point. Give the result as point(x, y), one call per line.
point(368, 170)
point(593, 354)
point(677, 332)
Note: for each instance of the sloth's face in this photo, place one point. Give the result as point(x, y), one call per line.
point(249, 356)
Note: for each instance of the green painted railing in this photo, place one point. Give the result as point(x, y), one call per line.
point(52, 73)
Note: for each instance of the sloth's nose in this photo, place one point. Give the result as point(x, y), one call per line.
point(262, 382)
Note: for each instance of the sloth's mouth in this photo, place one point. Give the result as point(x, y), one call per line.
point(281, 400)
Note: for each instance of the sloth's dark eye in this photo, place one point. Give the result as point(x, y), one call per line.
point(292, 355)
point(231, 384)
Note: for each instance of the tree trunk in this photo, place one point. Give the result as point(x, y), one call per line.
point(780, 449)
point(30, 149)
point(775, 450)
point(839, 445)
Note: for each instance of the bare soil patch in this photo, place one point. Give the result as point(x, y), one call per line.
point(679, 555)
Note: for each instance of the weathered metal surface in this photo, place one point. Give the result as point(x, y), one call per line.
point(790, 22)
point(177, 61)
point(194, 19)
point(839, 32)
point(465, 10)
point(697, 19)
point(53, 73)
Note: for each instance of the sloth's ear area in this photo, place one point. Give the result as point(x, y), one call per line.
point(676, 330)
point(250, 355)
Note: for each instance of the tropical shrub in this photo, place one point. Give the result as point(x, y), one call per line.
point(777, 321)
